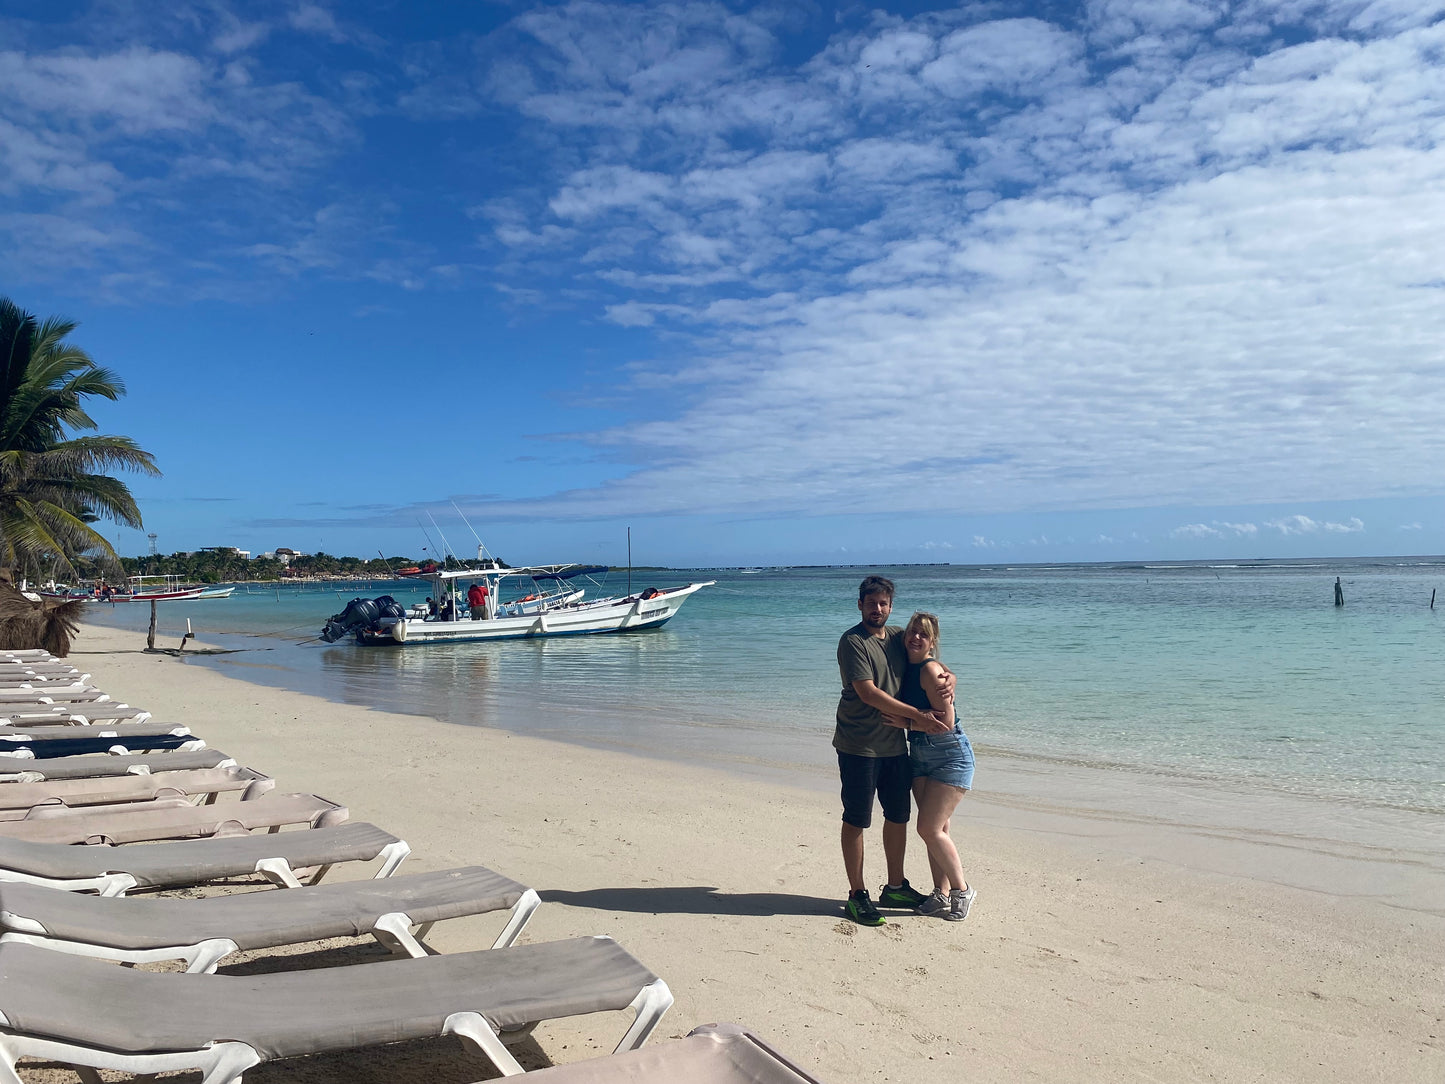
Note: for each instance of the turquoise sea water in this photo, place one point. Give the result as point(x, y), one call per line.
point(1239, 674)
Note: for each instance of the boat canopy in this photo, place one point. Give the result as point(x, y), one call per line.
point(580, 570)
point(533, 572)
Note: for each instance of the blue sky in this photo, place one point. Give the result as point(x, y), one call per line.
point(768, 283)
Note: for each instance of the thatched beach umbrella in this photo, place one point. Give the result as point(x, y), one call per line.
point(48, 623)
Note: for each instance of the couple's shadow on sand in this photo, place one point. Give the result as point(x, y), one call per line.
point(694, 900)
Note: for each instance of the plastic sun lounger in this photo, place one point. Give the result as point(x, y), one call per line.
point(48, 693)
point(46, 671)
point(122, 738)
point(19, 688)
point(71, 714)
point(19, 800)
point(203, 932)
point(143, 822)
point(711, 1054)
point(284, 858)
point(12, 770)
point(19, 732)
point(89, 1013)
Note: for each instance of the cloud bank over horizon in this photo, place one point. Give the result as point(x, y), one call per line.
point(981, 260)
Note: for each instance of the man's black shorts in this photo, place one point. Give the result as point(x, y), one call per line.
point(890, 778)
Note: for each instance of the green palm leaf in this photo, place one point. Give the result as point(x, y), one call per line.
point(54, 484)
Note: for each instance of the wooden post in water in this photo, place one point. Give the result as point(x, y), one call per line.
point(1432, 598)
point(151, 636)
point(1339, 593)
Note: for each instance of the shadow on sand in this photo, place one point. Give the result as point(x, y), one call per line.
point(695, 900)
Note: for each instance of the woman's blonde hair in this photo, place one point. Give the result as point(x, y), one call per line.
point(928, 623)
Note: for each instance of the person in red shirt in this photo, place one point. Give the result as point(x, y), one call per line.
point(477, 600)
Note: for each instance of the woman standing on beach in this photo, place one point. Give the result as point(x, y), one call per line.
point(942, 769)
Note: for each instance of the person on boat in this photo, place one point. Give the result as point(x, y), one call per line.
point(431, 607)
point(942, 767)
point(477, 600)
point(873, 759)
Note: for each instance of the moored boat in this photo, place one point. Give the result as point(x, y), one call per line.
point(543, 603)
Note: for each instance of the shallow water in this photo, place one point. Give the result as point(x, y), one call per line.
point(1244, 675)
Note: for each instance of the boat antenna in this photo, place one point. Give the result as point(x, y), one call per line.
point(481, 546)
point(629, 560)
point(429, 542)
point(447, 546)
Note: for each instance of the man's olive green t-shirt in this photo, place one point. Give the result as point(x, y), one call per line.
point(864, 657)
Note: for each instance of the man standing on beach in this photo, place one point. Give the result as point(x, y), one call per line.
point(873, 756)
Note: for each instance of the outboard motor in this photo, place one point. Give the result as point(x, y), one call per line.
point(388, 607)
point(359, 613)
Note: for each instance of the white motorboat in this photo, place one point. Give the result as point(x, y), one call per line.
point(543, 602)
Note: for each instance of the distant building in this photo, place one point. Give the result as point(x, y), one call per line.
point(246, 554)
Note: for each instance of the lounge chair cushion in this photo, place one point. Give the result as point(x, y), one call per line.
point(58, 996)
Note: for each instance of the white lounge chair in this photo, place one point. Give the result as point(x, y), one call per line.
point(285, 858)
point(119, 738)
point(49, 691)
point(200, 786)
point(13, 770)
point(145, 822)
point(93, 1014)
point(203, 932)
point(71, 714)
point(711, 1054)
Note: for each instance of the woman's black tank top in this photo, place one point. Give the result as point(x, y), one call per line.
point(911, 691)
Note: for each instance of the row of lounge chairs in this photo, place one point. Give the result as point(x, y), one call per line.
point(67, 814)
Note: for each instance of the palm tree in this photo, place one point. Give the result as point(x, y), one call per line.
point(53, 486)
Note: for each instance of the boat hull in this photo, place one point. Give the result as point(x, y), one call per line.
point(586, 619)
point(158, 596)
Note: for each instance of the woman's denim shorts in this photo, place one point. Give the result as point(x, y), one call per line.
point(945, 757)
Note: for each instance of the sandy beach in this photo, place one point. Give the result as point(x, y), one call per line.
point(1098, 949)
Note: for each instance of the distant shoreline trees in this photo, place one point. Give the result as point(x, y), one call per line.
point(228, 566)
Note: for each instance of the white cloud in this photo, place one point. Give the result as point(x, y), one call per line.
point(1196, 530)
point(1297, 524)
point(138, 90)
point(1410, 527)
point(1180, 299)
point(980, 542)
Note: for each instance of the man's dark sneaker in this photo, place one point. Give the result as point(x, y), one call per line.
point(861, 910)
point(905, 895)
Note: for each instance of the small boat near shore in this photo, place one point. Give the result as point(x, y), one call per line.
point(543, 602)
point(169, 589)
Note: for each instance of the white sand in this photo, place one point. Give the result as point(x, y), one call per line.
point(1092, 953)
